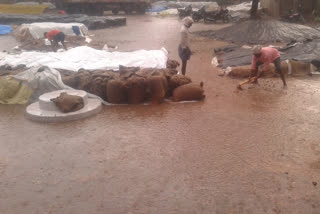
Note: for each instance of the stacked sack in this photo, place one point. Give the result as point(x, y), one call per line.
point(133, 85)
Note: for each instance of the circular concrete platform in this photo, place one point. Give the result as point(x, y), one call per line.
point(45, 111)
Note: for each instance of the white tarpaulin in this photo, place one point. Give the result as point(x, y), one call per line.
point(168, 12)
point(41, 80)
point(38, 29)
point(3, 55)
point(245, 6)
point(181, 4)
point(89, 59)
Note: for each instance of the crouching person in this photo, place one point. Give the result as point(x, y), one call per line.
point(266, 56)
point(56, 36)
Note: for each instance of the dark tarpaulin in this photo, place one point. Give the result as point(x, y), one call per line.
point(307, 51)
point(236, 56)
point(92, 22)
point(262, 32)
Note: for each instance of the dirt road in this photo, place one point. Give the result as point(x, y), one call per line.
point(256, 151)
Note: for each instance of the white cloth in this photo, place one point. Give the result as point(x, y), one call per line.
point(38, 29)
point(89, 59)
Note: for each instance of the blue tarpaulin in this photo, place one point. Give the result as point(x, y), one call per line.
point(5, 29)
point(157, 9)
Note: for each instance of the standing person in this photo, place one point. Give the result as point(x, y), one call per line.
point(55, 36)
point(184, 49)
point(266, 56)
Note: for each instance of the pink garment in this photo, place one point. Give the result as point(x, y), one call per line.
point(268, 56)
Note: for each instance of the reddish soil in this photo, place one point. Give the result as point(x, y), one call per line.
point(254, 151)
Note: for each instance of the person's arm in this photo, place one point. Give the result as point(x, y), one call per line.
point(253, 67)
point(64, 45)
point(54, 45)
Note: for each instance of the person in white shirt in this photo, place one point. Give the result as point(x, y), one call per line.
point(184, 48)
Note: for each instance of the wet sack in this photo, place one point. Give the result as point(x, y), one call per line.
point(68, 103)
point(188, 92)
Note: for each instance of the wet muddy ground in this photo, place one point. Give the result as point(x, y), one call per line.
point(254, 151)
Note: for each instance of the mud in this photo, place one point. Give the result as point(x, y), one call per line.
point(255, 151)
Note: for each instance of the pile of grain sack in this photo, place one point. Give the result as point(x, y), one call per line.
point(134, 85)
point(289, 67)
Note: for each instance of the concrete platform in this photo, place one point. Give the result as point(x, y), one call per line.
point(45, 111)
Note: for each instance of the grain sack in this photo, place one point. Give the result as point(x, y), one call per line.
point(160, 73)
point(178, 80)
point(145, 72)
point(272, 70)
point(83, 79)
point(116, 92)
point(172, 64)
point(136, 88)
point(244, 71)
point(188, 92)
point(68, 103)
point(169, 73)
point(99, 87)
point(127, 72)
point(105, 74)
point(299, 68)
point(70, 81)
point(156, 85)
point(240, 71)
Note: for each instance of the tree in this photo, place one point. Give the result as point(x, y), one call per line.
point(254, 8)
